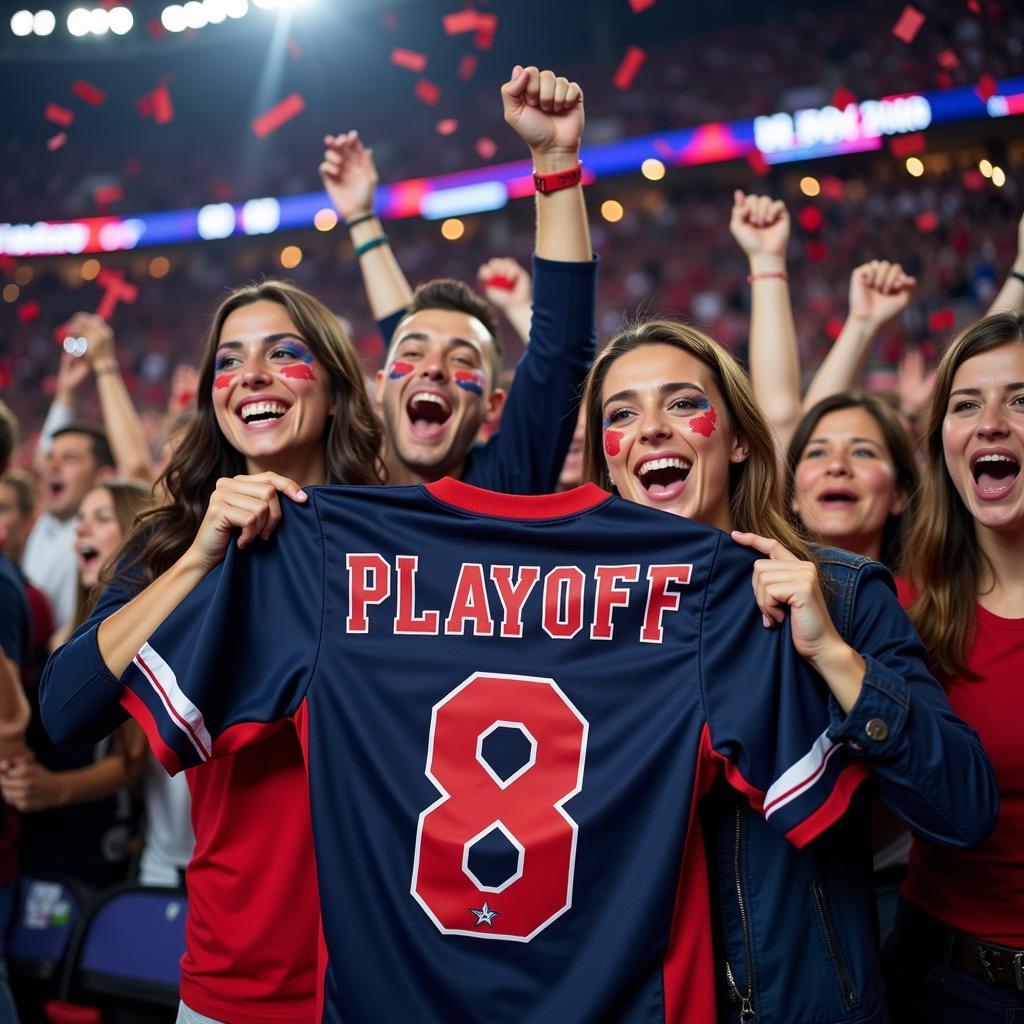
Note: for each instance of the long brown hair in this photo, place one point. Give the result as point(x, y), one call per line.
point(900, 450)
point(755, 485)
point(352, 438)
point(129, 498)
point(943, 559)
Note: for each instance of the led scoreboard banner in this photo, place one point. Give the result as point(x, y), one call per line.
point(779, 138)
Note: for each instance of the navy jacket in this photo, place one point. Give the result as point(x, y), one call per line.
point(797, 940)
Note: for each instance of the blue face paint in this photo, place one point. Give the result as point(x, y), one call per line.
point(470, 380)
point(297, 351)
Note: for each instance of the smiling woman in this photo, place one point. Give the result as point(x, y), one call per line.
point(280, 405)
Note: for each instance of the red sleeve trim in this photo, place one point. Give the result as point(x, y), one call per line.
point(833, 808)
point(732, 774)
point(138, 709)
point(516, 506)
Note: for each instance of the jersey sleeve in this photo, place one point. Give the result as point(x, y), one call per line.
point(767, 711)
point(931, 768)
point(537, 424)
point(234, 660)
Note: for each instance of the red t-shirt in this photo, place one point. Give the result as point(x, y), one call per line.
point(981, 891)
point(254, 909)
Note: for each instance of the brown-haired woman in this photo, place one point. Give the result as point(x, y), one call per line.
point(281, 404)
point(672, 423)
point(77, 814)
point(851, 476)
point(957, 953)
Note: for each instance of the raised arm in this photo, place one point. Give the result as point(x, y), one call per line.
point(761, 228)
point(1011, 295)
point(121, 422)
point(71, 372)
point(507, 285)
point(879, 291)
point(350, 178)
point(546, 112)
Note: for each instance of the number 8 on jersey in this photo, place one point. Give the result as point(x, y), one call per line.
point(526, 807)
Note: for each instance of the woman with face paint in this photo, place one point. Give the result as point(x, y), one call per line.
point(957, 951)
point(281, 405)
point(672, 424)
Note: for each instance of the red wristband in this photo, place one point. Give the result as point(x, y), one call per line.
point(767, 274)
point(558, 179)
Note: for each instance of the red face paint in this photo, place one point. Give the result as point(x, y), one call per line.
point(612, 441)
point(298, 371)
point(223, 380)
point(400, 369)
point(706, 423)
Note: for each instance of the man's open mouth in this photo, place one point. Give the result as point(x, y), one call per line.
point(428, 413)
point(995, 474)
point(663, 478)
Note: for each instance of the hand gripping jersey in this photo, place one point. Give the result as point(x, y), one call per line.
point(510, 706)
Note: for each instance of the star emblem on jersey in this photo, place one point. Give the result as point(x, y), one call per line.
point(484, 915)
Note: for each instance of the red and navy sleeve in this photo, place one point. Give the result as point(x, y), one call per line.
point(768, 712)
point(235, 658)
point(14, 621)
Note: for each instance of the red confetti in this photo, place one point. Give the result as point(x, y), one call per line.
point(948, 60)
point(926, 222)
point(115, 289)
point(842, 98)
point(155, 28)
point(627, 71)
point(641, 5)
point(973, 6)
point(987, 87)
point(58, 115)
point(426, 91)
point(408, 59)
point(908, 24)
point(485, 148)
point(156, 104)
point(294, 50)
point(487, 24)
point(941, 319)
point(757, 162)
point(279, 114)
point(467, 67)
point(461, 21)
point(28, 311)
point(973, 179)
point(907, 145)
point(944, 80)
point(447, 126)
point(87, 92)
point(810, 219)
point(56, 141)
point(104, 195)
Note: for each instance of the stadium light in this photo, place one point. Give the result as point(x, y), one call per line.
point(78, 22)
point(44, 23)
point(121, 21)
point(173, 18)
point(237, 8)
point(99, 21)
point(195, 14)
point(21, 23)
point(216, 11)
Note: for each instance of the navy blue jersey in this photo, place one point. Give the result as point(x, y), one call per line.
point(509, 706)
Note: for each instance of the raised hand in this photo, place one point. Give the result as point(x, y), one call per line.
point(546, 112)
point(914, 383)
point(349, 174)
point(879, 290)
point(71, 371)
point(759, 224)
point(246, 503)
point(505, 283)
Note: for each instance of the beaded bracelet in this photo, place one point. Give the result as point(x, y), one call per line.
point(766, 274)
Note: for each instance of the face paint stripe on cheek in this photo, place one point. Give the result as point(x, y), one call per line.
point(705, 424)
point(612, 439)
point(398, 369)
point(299, 371)
point(470, 380)
point(223, 380)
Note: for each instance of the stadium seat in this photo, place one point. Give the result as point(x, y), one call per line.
point(47, 913)
point(130, 945)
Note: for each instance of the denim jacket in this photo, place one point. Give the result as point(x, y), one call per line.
point(797, 930)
